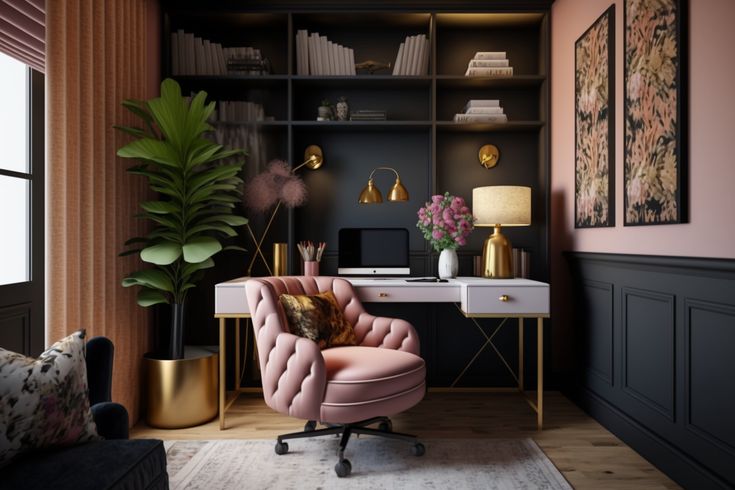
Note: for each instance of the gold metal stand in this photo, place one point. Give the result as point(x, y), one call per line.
point(227, 399)
point(538, 404)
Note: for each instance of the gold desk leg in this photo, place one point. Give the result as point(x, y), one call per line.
point(237, 354)
point(540, 374)
point(222, 374)
point(520, 354)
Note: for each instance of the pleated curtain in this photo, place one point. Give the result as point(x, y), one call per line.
point(98, 53)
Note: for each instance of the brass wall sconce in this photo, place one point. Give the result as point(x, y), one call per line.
point(313, 158)
point(371, 195)
point(489, 156)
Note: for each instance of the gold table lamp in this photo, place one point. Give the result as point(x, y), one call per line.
point(497, 206)
point(371, 194)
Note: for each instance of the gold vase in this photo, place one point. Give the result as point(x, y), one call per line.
point(280, 259)
point(183, 392)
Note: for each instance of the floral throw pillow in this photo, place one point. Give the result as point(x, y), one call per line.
point(319, 318)
point(44, 401)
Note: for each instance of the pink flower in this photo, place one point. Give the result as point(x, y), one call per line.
point(436, 219)
point(460, 241)
point(447, 215)
point(437, 199)
point(464, 210)
point(437, 234)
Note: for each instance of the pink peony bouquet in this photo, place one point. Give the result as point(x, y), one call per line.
point(446, 222)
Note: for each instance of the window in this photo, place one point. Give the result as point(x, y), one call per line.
point(16, 176)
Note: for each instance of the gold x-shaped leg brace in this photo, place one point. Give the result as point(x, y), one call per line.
point(488, 342)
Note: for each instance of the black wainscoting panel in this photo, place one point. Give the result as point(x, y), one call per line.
point(672, 324)
point(710, 335)
point(648, 349)
point(598, 335)
point(15, 324)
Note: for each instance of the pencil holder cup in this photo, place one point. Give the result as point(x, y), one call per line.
point(311, 268)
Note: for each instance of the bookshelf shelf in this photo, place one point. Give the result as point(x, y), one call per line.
point(362, 125)
point(461, 81)
point(362, 81)
point(510, 126)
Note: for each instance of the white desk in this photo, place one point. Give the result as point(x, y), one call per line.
point(475, 297)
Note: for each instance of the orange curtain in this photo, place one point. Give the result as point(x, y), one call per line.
point(99, 52)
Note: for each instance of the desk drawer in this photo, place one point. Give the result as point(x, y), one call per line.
point(506, 300)
point(408, 294)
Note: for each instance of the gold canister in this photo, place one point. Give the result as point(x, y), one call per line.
point(183, 392)
point(280, 259)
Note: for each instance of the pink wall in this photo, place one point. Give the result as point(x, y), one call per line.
point(711, 228)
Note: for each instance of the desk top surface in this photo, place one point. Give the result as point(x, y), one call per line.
point(407, 282)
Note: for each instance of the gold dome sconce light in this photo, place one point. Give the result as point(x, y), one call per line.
point(488, 156)
point(371, 194)
point(313, 158)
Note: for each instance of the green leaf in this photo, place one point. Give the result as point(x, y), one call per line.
point(132, 131)
point(200, 249)
point(164, 253)
point(137, 239)
point(149, 297)
point(211, 227)
point(152, 278)
point(212, 175)
point(229, 219)
point(151, 149)
point(160, 207)
point(234, 247)
point(190, 269)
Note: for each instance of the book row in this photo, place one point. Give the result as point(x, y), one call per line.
point(413, 56)
point(192, 55)
point(489, 64)
point(317, 55)
point(481, 110)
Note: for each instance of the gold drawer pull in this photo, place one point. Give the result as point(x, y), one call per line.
point(504, 298)
point(382, 295)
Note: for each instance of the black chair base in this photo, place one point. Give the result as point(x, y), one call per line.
point(344, 467)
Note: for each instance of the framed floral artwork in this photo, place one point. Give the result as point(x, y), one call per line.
point(594, 124)
point(655, 120)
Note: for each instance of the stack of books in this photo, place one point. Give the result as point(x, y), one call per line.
point(489, 64)
point(481, 110)
point(235, 111)
point(413, 56)
point(317, 55)
point(369, 115)
point(192, 55)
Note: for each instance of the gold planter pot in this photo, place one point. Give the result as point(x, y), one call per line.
point(181, 393)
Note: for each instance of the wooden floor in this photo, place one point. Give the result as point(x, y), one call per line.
point(588, 455)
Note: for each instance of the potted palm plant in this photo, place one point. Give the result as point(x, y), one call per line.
point(193, 215)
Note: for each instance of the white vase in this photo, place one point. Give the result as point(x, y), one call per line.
point(448, 263)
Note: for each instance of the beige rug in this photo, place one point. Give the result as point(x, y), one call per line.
point(376, 464)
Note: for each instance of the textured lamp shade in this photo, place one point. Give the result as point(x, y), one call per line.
point(506, 205)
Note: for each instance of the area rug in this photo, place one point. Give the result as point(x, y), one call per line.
point(376, 464)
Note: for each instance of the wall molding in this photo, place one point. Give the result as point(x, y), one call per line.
point(673, 332)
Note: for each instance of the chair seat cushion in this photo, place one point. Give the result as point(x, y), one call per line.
point(361, 376)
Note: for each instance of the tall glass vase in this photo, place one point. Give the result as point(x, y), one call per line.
point(448, 263)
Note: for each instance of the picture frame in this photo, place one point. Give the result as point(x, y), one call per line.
point(656, 124)
point(594, 124)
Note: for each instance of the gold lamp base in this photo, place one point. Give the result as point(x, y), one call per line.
point(181, 393)
point(497, 256)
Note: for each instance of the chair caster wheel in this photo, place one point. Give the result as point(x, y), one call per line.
point(281, 448)
point(418, 449)
point(310, 426)
point(386, 426)
point(343, 468)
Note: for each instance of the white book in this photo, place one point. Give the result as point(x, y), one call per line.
point(174, 54)
point(199, 56)
point(480, 118)
point(425, 59)
point(481, 103)
point(353, 70)
point(408, 57)
point(206, 57)
point(489, 72)
point(421, 52)
point(338, 60)
point(299, 55)
point(221, 59)
point(332, 58)
point(190, 52)
point(484, 110)
point(489, 55)
point(182, 51)
point(345, 61)
point(325, 55)
point(488, 63)
point(312, 54)
point(399, 59)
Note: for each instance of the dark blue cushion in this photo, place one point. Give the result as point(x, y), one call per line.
point(116, 464)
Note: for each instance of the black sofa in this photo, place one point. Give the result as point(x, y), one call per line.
point(114, 463)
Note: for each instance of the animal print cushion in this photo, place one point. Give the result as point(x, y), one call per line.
point(45, 400)
point(318, 318)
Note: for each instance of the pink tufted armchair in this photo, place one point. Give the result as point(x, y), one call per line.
point(344, 388)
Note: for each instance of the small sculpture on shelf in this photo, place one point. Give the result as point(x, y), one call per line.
point(343, 109)
point(372, 66)
point(325, 111)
